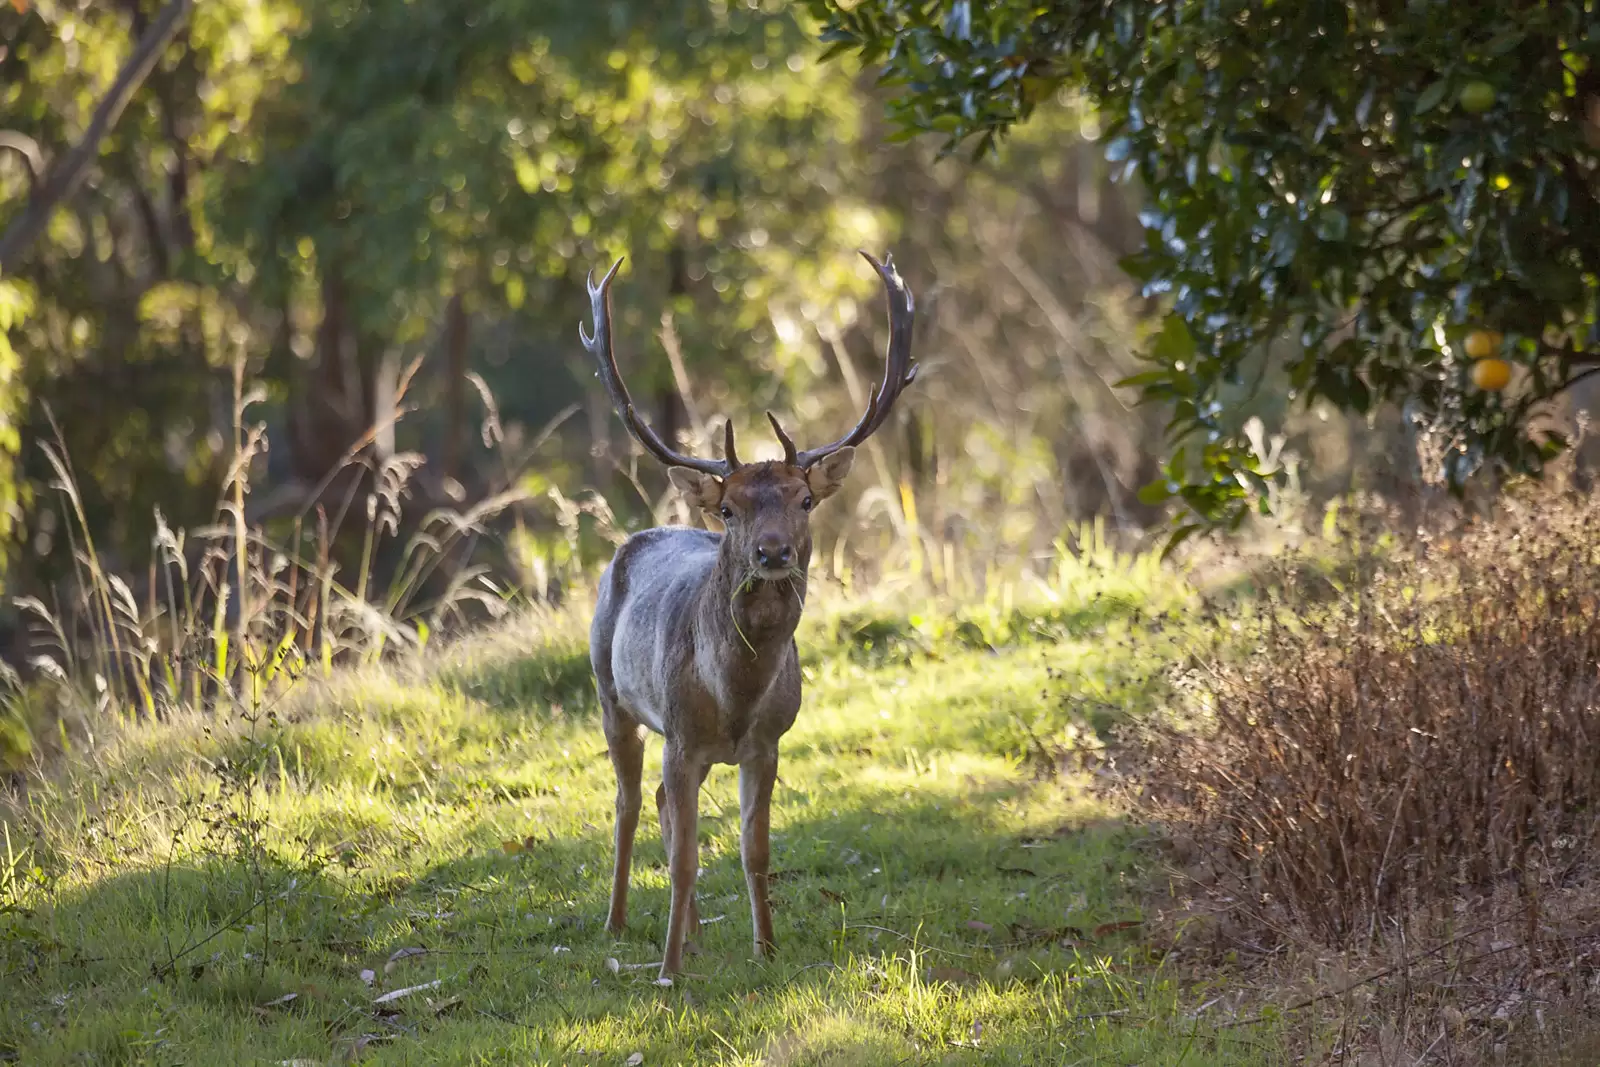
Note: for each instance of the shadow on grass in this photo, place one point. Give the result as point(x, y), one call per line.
point(537, 682)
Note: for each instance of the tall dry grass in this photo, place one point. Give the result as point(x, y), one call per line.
point(227, 617)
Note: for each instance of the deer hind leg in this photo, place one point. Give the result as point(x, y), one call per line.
point(678, 800)
point(755, 823)
point(625, 741)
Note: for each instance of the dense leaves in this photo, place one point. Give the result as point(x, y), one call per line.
point(1357, 184)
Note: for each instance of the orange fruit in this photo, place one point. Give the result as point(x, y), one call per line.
point(1491, 375)
point(1481, 344)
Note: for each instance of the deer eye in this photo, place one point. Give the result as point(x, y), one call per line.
point(805, 505)
point(727, 512)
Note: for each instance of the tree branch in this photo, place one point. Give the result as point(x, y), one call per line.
point(73, 167)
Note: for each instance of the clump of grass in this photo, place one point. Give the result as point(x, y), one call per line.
point(230, 615)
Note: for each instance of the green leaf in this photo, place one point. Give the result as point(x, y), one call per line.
point(1174, 344)
point(1156, 492)
point(1505, 41)
point(1432, 96)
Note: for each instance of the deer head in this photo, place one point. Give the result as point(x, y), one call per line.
point(765, 507)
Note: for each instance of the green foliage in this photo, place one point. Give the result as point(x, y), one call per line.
point(1355, 185)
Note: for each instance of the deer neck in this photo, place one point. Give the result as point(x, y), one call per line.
point(751, 625)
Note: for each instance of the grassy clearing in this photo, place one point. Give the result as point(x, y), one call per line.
point(199, 892)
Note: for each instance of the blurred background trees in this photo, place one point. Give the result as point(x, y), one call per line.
point(383, 212)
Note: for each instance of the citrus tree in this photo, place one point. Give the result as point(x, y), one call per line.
point(1399, 198)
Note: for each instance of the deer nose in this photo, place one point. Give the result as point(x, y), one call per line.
point(771, 551)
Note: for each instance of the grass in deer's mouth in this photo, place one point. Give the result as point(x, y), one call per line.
point(928, 897)
point(747, 583)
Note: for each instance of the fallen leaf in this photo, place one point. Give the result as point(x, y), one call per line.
point(283, 1001)
point(837, 898)
point(613, 965)
point(368, 975)
point(664, 983)
point(1111, 928)
point(511, 846)
point(1018, 871)
point(299, 1063)
point(402, 954)
point(635, 1059)
point(407, 991)
point(441, 1006)
point(359, 1045)
point(978, 924)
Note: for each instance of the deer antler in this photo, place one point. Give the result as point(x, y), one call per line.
point(899, 371)
point(599, 346)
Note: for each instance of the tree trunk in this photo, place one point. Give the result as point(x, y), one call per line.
point(456, 332)
point(334, 408)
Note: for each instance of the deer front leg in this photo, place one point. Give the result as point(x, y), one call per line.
point(625, 741)
point(755, 824)
point(680, 808)
point(665, 815)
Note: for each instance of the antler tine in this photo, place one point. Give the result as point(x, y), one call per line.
point(789, 455)
point(729, 456)
point(598, 344)
point(899, 370)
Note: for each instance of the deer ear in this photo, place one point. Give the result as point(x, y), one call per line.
point(828, 475)
point(701, 490)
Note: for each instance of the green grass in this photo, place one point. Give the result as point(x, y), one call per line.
point(212, 893)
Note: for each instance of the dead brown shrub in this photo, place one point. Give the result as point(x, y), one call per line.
point(1432, 735)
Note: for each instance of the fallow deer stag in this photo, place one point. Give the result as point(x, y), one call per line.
point(693, 633)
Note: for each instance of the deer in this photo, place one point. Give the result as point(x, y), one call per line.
point(693, 629)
